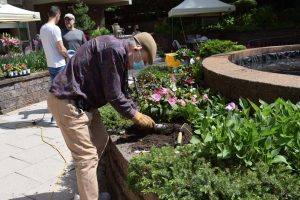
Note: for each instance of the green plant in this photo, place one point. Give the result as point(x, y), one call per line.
point(271, 134)
point(264, 16)
point(99, 31)
point(183, 54)
point(83, 21)
point(212, 47)
point(35, 61)
point(113, 120)
point(153, 73)
point(183, 173)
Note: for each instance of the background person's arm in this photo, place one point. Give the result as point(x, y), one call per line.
point(84, 40)
point(61, 48)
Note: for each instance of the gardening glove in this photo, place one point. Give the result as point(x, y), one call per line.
point(143, 120)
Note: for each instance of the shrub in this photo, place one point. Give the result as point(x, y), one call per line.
point(182, 174)
point(112, 119)
point(212, 47)
point(99, 31)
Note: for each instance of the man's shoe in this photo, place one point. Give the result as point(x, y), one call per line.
point(52, 121)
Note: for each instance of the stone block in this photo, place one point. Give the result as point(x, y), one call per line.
point(6, 151)
point(43, 171)
point(11, 165)
point(26, 143)
point(15, 185)
point(61, 190)
point(36, 154)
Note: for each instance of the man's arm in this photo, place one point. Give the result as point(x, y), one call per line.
point(112, 84)
point(61, 48)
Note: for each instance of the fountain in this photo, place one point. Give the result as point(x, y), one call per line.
point(262, 73)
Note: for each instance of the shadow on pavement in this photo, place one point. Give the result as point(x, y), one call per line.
point(30, 112)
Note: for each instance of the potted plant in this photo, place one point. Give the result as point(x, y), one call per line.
point(7, 70)
point(24, 69)
point(184, 55)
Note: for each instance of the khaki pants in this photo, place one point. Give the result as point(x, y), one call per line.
point(86, 138)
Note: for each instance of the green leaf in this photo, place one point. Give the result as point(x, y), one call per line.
point(275, 152)
point(208, 138)
point(254, 106)
point(153, 109)
point(198, 132)
point(195, 140)
point(238, 146)
point(268, 143)
point(248, 162)
point(224, 153)
point(279, 159)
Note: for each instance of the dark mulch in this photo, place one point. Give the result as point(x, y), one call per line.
point(144, 139)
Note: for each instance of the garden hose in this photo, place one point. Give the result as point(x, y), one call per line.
point(35, 123)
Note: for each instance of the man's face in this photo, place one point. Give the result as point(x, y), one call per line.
point(137, 55)
point(69, 23)
point(57, 18)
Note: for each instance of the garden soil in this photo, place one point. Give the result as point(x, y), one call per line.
point(142, 139)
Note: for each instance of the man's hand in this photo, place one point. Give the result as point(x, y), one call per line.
point(143, 120)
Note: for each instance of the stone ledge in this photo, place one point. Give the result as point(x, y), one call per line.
point(22, 91)
point(37, 75)
point(234, 81)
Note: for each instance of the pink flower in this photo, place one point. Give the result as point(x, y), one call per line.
point(156, 97)
point(193, 99)
point(231, 106)
point(183, 53)
point(190, 81)
point(172, 101)
point(163, 91)
point(205, 96)
point(181, 102)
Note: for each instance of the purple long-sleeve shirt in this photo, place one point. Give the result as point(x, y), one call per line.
point(97, 74)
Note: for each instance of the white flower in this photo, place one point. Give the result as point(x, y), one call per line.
point(173, 86)
point(192, 61)
point(192, 89)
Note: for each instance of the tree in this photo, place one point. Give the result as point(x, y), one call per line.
point(83, 20)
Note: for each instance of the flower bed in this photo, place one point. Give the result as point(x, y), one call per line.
point(239, 150)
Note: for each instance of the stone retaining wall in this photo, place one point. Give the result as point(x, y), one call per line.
point(22, 91)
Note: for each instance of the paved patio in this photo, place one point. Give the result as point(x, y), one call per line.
point(29, 167)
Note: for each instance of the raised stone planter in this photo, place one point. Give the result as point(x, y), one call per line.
point(234, 81)
point(116, 173)
point(24, 90)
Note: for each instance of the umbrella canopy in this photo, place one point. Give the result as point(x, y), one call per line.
point(9, 13)
point(200, 7)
